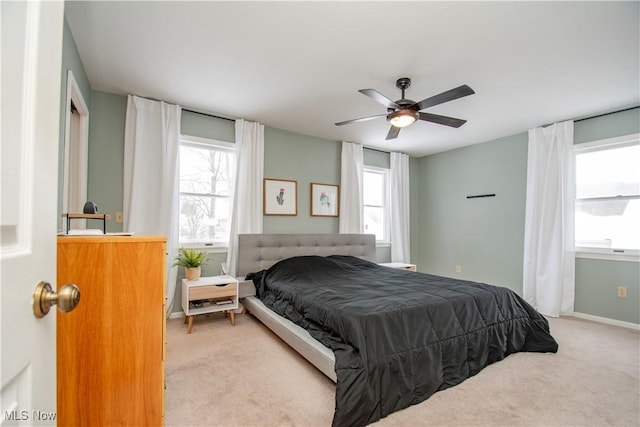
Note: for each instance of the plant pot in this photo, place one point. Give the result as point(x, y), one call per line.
point(192, 273)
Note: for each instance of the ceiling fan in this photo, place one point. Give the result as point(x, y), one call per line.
point(405, 112)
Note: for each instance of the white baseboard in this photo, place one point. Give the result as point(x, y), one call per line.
point(607, 321)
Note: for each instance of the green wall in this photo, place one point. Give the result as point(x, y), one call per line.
point(106, 148)
point(380, 159)
point(625, 122)
point(306, 159)
point(106, 154)
point(482, 235)
point(486, 236)
point(205, 126)
point(288, 155)
point(597, 284)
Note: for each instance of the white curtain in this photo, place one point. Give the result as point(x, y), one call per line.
point(400, 208)
point(549, 246)
point(151, 148)
point(351, 199)
point(247, 200)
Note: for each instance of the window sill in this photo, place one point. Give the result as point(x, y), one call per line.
point(608, 256)
point(202, 247)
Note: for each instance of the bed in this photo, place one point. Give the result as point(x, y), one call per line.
point(389, 338)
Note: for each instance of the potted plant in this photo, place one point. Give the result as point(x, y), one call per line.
point(191, 260)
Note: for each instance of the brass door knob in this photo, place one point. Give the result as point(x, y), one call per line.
point(44, 298)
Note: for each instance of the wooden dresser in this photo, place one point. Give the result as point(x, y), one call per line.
point(111, 348)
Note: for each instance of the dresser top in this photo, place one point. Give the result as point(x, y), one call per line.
point(66, 239)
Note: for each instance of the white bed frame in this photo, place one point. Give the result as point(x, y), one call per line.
point(257, 252)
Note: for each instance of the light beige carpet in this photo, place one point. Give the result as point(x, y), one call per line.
point(246, 376)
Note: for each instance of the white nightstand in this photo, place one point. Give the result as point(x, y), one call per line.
point(399, 265)
point(209, 295)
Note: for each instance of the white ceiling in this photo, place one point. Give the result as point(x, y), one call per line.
point(298, 65)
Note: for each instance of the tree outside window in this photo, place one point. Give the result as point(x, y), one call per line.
point(207, 176)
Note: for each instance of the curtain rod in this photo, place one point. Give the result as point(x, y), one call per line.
point(376, 149)
point(606, 114)
point(189, 110)
point(594, 116)
point(207, 114)
point(383, 151)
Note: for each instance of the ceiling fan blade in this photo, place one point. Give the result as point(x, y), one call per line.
point(449, 95)
point(380, 98)
point(393, 133)
point(361, 119)
point(442, 120)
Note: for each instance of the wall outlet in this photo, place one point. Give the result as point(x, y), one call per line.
point(458, 268)
point(119, 217)
point(622, 291)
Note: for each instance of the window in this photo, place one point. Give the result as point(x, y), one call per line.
point(207, 175)
point(607, 218)
point(375, 198)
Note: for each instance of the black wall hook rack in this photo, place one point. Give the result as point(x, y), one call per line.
point(477, 196)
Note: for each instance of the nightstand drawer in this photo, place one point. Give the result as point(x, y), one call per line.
point(213, 291)
point(400, 265)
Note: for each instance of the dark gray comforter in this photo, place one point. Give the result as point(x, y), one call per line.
point(398, 336)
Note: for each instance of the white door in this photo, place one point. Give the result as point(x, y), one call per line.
point(30, 73)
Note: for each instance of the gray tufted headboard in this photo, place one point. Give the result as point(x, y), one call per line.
point(260, 251)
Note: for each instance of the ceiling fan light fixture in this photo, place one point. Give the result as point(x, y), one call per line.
point(403, 118)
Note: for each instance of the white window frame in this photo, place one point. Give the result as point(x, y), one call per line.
point(386, 241)
point(607, 253)
point(219, 145)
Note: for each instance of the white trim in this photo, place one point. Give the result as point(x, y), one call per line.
point(607, 321)
point(607, 254)
point(197, 140)
point(631, 139)
point(75, 95)
point(377, 168)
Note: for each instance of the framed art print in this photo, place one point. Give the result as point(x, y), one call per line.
point(280, 197)
point(325, 199)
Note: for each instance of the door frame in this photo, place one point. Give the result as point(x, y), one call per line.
point(79, 144)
